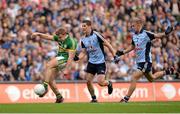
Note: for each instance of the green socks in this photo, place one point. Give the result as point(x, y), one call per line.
point(45, 84)
point(58, 95)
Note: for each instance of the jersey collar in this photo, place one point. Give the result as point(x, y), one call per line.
point(139, 32)
point(67, 36)
point(90, 33)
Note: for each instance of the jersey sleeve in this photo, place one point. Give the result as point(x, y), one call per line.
point(55, 38)
point(133, 43)
point(100, 37)
point(150, 35)
point(82, 44)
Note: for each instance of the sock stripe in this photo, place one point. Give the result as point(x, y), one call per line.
point(58, 95)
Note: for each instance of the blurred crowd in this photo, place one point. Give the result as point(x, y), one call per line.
point(23, 58)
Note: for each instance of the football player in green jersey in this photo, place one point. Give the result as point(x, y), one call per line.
point(67, 46)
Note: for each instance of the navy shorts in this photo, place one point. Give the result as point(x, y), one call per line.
point(96, 68)
point(145, 67)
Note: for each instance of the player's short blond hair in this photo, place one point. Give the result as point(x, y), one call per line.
point(138, 20)
point(61, 30)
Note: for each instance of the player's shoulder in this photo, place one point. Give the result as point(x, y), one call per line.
point(97, 33)
point(71, 40)
point(82, 39)
point(55, 37)
point(148, 32)
point(72, 43)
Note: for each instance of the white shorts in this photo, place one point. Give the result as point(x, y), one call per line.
point(61, 62)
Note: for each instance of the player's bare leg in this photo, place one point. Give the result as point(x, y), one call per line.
point(48, 73)
point(53, 86)
point(59, 98)
point(151, 77)
point(51, 72)
point(53, 63)
point(102, 82)
point(89, 78)
point(132, 87)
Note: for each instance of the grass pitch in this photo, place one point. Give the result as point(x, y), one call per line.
point(132, 107)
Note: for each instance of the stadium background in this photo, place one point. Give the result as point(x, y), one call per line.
point(22, 58)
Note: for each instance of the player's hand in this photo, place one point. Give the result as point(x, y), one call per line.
point(65, 72)
point(116, 59)
point(168, 30)
point(76, 58)
point(119, 53)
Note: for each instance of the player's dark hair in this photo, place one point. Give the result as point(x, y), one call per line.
point(88, 22)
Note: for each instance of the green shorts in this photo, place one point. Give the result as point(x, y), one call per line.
point(61, 62)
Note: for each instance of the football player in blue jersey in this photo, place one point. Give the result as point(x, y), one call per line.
point(92, 45)
point(141, 43)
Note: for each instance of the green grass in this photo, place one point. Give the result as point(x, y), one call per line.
point(136, 107)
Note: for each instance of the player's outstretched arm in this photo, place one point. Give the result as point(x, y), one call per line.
point(160, 35)
point(113, 52)
point(41, 35)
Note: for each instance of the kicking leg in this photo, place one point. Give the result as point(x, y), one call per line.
point(49, 73)
point(151, 77)
point(59, 98)
point(53, 86)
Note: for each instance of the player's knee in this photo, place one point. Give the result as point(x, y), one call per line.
point(133, 79)
point(48, 66)
point(149, 76)
point(151, 80)
point(89, 82)
point(101, 83)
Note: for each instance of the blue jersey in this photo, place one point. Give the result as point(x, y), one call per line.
point(94, 47)
point(142, 43)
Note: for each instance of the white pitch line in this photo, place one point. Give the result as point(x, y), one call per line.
point(89, 113)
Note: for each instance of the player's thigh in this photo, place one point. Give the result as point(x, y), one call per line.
point(54, 73)
point(61, 63)
point(91, 69)
point(89, 77)
point(52, 63)
point(101, 71)
point(137, 75)
point(100, 78)
point(146, 67)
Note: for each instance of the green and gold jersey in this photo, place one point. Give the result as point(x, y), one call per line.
point(69, 44)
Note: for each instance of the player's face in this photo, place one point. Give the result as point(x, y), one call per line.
point(137, 26)
point(62, 36)
point(84, 27)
